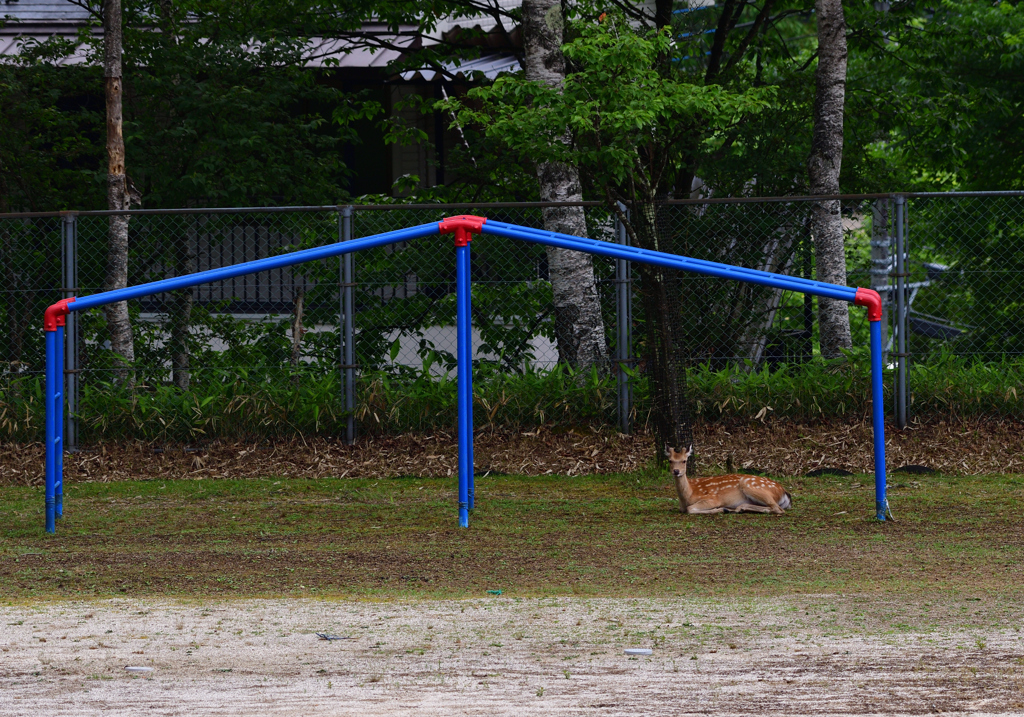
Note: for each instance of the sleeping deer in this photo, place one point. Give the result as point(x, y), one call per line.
point(729, 493)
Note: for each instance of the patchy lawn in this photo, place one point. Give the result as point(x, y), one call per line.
point(609, 535)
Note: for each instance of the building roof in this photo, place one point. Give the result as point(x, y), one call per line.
point(490, 67)
point(28, 21)
point(45, 12)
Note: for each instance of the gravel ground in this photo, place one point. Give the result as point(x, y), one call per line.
point(848, 655)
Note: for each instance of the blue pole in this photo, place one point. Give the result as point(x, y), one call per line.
point(58, 425)
point(671, 261)
point(251, 267)
point(465, 385)
point(51, 432)
point(469, 376)
point(878, 419)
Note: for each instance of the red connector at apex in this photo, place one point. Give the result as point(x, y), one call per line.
point(464, 227)
point(873, 302)
point(55, 314)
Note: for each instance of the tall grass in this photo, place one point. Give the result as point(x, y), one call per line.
point(241, 404)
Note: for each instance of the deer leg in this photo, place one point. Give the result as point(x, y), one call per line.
point(760, 501)
point(697, 509)
point(749, 508)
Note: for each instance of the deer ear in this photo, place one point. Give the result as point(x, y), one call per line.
point(689, 451)
point(668, 451)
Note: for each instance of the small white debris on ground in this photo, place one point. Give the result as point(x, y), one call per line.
point(505, 656)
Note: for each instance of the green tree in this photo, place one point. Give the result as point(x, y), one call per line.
point(48, 152)
point(633, 123)
point(48, 146)
point(937, 89)
point(220, 109)
point(938, 86)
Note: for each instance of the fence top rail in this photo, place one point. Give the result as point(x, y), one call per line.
point(931, 195)
point(506, 205)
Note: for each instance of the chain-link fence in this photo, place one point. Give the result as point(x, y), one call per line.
point(965, 275)
point(958, 285)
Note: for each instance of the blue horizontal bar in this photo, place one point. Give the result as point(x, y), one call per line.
point(690, 57)
point(82, 303)
point(696, 34)
point(671, 261)
point(680, 11)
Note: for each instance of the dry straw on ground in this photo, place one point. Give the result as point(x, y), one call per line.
point(778, 448)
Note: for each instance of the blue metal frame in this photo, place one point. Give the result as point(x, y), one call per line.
point(671, 261)
point(54, 498)
point(252, 267)
point(465, 379)
point(463, 228)
point(751, 276)
point(468, 364)
point(52, 396)
point(878, 419)
point(58, 424)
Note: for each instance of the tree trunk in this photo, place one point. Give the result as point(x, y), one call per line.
point(182, 253)
point(297, 330)
point(180, 312)
point(823, 169)
point(663, 13)
point(118, 325)
point(660, 291)
point(756, 307)
point(579, 327)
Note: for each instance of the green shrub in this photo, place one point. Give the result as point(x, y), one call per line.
point(269, 402)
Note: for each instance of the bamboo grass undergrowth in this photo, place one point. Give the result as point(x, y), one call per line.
point(267, 403)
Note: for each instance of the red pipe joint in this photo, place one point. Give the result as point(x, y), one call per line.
point(464, 227)
point(55, 314)
point(873, 302)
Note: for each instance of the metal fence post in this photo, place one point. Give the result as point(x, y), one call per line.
point(901, 314)
point(624, 323)
point(348, 337)
point(69, 279)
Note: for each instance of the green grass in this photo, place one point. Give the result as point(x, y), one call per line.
point(598, 536)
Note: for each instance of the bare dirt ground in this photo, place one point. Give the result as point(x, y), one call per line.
point(821, 654)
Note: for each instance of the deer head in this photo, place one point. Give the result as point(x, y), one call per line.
point(677, 460)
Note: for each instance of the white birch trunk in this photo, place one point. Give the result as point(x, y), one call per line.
point(778, 258)
point(823, 169)
point(579, 327)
